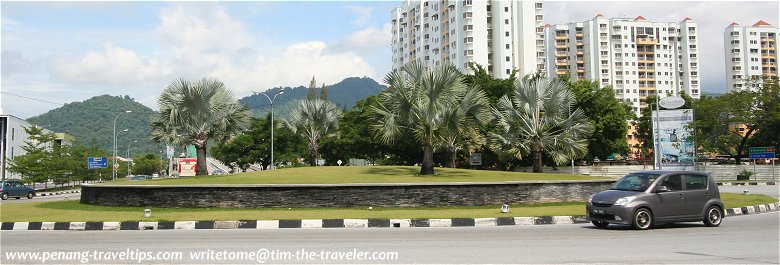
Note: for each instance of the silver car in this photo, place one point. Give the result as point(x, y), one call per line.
point(645, 198)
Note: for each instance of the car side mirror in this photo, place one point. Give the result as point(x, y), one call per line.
point(662, 189)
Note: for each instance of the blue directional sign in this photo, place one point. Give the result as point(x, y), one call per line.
point(97, 162)
point(761, 152)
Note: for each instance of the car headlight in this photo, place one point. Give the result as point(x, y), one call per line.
point(590, 199)
point(624, 200)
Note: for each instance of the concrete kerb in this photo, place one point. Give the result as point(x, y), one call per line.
point(56, 193)
point(332, 223)
point(749, 183)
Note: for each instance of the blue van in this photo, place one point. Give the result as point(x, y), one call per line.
point(16, 189)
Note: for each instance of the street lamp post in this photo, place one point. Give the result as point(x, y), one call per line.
point(281, 91)
point(657, 152)
point(113, 170)
point(128, 156)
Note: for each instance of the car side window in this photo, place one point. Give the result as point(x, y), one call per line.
point(695, 182)
point(673, 182)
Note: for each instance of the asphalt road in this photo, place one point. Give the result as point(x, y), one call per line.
point(771, 190)
point(741, 239)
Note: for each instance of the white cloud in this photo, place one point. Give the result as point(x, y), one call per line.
point(366, 40)
point(114, 66)
point(363, 15)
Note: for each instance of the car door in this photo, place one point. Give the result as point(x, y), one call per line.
point(696, 194)
point(670, 204)
point(11, 189)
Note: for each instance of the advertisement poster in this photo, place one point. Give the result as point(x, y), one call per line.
point(674, 139)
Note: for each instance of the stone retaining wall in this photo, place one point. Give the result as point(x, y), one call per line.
point(340, 195)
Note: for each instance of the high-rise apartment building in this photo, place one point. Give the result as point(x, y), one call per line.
point(501, 36)
point(638, 58)
point(751, 52)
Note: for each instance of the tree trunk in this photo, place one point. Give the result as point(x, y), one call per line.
point(741, 146)
point(202, 168)
point(427, 164)
point(537, 160)
point(451, 156)
point(313, 154)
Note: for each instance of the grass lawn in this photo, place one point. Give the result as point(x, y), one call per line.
point(72, 211)
point(373, 174)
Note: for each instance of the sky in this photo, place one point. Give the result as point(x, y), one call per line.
point(60, 52)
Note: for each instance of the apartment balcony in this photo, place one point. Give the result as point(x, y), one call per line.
point(767, 39)
point(560, 46)
point(646, 70)
point(561, 54)
point(646, 79)
point(768, 55)
point(580, 61)
point(561, 72)
point(578, 35)
point(640, 52)
point(580, 53)
point(561, 63)
point(646, 60)
point(579, 43)
point(768, 48)
point(646, 41)
point(561, 37)
point(580, 69)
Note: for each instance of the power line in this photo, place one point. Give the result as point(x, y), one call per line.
point(61, 104)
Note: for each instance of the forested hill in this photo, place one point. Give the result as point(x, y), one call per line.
point(345, 93)
point(92, 122)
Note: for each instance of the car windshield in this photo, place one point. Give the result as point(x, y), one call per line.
point(635, 182)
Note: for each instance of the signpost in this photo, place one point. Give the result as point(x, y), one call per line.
point(97, 162)
point(767, 152)
point(475, 159)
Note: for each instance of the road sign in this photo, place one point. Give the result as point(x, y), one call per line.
point(762, 152)
point(475, 159)
point(755, 150)
point(97, 162)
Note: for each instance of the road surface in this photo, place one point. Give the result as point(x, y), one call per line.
point(740, 239)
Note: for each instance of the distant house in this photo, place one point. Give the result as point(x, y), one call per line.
point(13, 137)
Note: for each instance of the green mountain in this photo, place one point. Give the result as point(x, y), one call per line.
point(92, 122)
point(345, 93)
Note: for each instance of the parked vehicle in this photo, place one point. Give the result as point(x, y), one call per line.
point(643, 199)
point(16, 189)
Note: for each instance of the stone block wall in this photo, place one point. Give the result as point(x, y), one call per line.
point(340, 195)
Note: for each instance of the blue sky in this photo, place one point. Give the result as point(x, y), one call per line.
point(70, 51)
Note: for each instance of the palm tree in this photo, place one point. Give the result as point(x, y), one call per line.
point(314, 119)
point(194, 113)
point(462, 123)
point(536, 118)
point(427, 103)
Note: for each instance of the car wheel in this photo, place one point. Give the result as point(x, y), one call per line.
point(600, 224)
point(4, 196)
point(713, 217)
point(643, 219)
point(30, 195)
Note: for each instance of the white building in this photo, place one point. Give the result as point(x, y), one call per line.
point(636, 57)
point(13, 137)
point(499, 35)
point(750, 52)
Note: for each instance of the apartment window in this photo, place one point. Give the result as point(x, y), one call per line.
point(605, 71)
point(506, 21)
point(13, 134)
point(605, 53)
point(603, 43)
point(617, 46)
point(691, 29)
point(691, 37)
point(753, 42)
point(753, 50)
point(467, 15)
point(506, 9)
point(507, 46)
point(508, 71)
point(692, 46)
point(468, 39)
point(538, 5)
point(604, 62)
point(735, 33)
point(693, 55)
point(605, 80)
point(603, 26)
point(468, 27)
point(735, 50)
point(539, 17)
point(694, 73)
point(752, 33)
point(603, 34)
point(468, 52)
point(735, 42)
point(694, 64)
point(506, 33)
point(507, 58)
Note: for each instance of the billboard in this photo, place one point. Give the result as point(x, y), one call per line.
point(673, 139)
